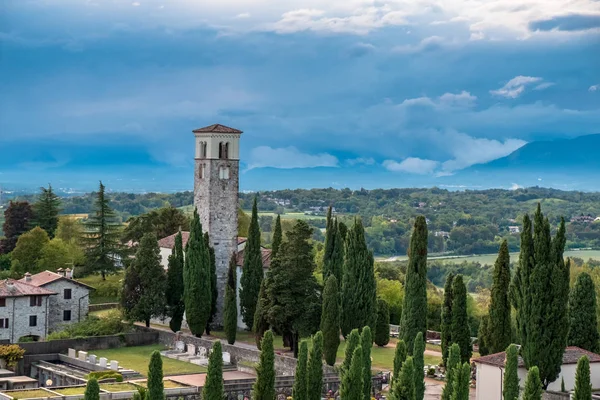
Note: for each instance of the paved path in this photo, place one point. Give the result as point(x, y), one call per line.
point(433, 390)
point(198, 379)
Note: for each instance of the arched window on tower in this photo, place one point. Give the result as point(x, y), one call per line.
point(221, 150)
point(203, 149)
point(224, 173)
point(226, 151)
point(201, 169)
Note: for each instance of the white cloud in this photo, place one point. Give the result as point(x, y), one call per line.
point(360, 160)
point(243, 15)
point(288, 157)
point(516, 86)
point(544, 85)
point(462, 99)
point(412, 165)
point(593, 88)
point(515, 186)
point(135, 4)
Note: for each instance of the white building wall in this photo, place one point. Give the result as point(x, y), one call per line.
point(18, 310)
point(165, 252)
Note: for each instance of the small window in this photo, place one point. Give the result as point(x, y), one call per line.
point(224, 173)
point(33, 320)
point(67, 294)
point(3, 323)
point(203, 149)
point(3, 302)
point(201, 171)
point(66, 315)
point(35, 301)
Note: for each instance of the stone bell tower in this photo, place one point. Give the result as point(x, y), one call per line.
point(216, 187)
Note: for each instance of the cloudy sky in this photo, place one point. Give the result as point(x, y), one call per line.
point(398, 88)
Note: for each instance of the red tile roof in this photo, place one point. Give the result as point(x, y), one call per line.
point(13, 288)
point(571, 356)
point(266, 258)
point(169, 241)
point(217, 128)
point(46, 277)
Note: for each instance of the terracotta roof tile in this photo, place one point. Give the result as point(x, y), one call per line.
point(13, 288)
point(46, 277)
point(571, 356)
point(266, 258)
point(217, 128)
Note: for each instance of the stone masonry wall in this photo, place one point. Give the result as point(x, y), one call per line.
point(78, 304)
point(18, 310)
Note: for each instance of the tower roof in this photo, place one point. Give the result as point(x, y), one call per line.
point(217, 128)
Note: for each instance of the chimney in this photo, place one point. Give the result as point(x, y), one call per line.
point(27, 277)
point(68, 273)
point(60, 271)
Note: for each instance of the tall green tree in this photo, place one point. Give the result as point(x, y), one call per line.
point(333, 255)
point(214, 290)
point(58, 252)
point(382, 329)
point(446, 325)
point(299, 391)
point(18, 218)
point(583, 387)
point(533, 385)
point(264, 386)
point(583, 324)
point(164, 221)
point(150, 284)
point(260, 324)
point(46, 209)
point(315, 368)
point(366, 343)
point(352, 381)
point(330, 320)
point(230, 307)
point(511, 377)
point(461, 333)
point(92, 390)
point(156, 386)
point(252, 275)
point(414, 319)
point(343, 230)
point(174, 290)
point(359, 297)
point(404, 386)
point(483, 335)
point(452, 364)
point(213, 386)
point(419, 360)
point(102, 237)
point(399, 358)
point(499, 327)
point(352, 342)
point(462, 382)
point(277, 237)
point(196, 278)
point(28, 251)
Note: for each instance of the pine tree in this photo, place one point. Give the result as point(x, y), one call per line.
point(414, 317)
point(483, 335)
point(46, 210)
point(330, 320)
point(359, 298)
point(533, 385)
point(583, 387)
point(583, 326)
point(404, 386)
point(461, 332)
point(315, 368)
point(252, 275)
point(511, 378)
point(174, 291)
point(264, 386)
point(277, 237)
point(352, 342)
point(92, 390)
point(399, 358)
point(382, 329)
point(214, 290)
point(499, 327)
point(102, 237)
point(299, 391)
point(446, 325)
point(18, 217)
point(419, 361)
point(260, 324)
point(230, 307)
point(213, 386)
point(156, 386)
point(462, 382)
point(352, 381)
point(452, 364)
point(366, 343)
point(196, 278)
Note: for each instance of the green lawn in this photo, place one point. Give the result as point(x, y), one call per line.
point(137, 358)
point(107, 291)
point(71, 391)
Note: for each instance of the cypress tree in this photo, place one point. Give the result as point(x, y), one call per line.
point(414, 317)
point(399, 358)
point(562, 385)
point(382, 330)
point(213, 386)
point(452, 364)
point(533, 385)
point(330, 320)
point(404, 386)
point(419, 361)
point(583, 325)
point(260, 324)
point(483, 336)
point(511, 378)
point(352, 342)
point(330, 228)
point(352, 381)
point(196, 278)
point(230, 307)
point(174, 291)
point(519, 289)
point(299, 392)
point(359, 297)
point(366, 343)
point(336, 265)
point(315, 368)
point(583, 387)
point(252, 273)
point(92, 390)
point(462, 382)
point(446, 326)
point(46, 210)
point(214, 290)
point(277, 237)
point(156, 387)
point(264, 387)
point(343, 230)
point(499, 327)
point(461, 333)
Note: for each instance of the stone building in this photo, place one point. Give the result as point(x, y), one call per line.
point(71, 302)
point(24, 310)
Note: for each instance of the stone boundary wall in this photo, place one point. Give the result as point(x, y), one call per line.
point(548, 395)
point(102, 306)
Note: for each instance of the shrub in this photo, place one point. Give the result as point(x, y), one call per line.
point(11, 354)
point(110, 324)
point(104, 375)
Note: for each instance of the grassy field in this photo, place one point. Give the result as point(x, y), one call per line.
point(72, 391)
point(491, 258)
point(107, 291)
point(118, 387)
point(28, 394)
point(291, 215)
point(137, 358)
